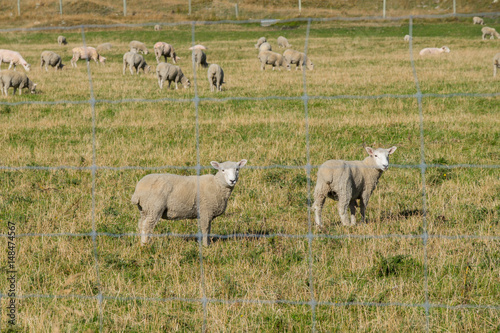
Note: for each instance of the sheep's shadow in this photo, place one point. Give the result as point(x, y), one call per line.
point(249, 234)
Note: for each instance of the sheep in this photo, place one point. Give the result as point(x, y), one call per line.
point(265, 47)
point(490, 31)
point(200, 58)
point(101, 48)
point(52, 59)
point(434, 50)
point(13, 58)
point(496, 63)
point(283, 42)
point(198, 47)
point(407, 38)
point(10, 78)
point(299, 58)
point(61, 40)
point(272, 58)
point(215, 77)
point(157, 27)
point(135, 60)
point(348, 181)
point(260, 42)
point(174, 197)
point(477, 20)
point(166, 50)
point(86, 53)
point(166, 71)
point(138, 47)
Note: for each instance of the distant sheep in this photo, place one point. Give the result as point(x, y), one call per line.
point(272, 58)
point(215, 77)
point(17, 80)
point(198, 47)
point(157, 27)
point(298, 58)
point(490, 31)
point(61, 40)
point(166, 71)
point(349, 181)
point(407, 38)
point(13, 58)
point(283, 42)
point(434, 50)
point(496, 63)
point(265, 47)
point(86, 53)
point(200, 58)
point(166, 50)
point(104, 47)
point(136, 46)
point(260, 42)
point(52, 59)
point(174, 197)
point(477, 20)
point(135, 60)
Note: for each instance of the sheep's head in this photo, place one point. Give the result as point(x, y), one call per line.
point(229, 170)
point(27, 67)
point(381, 156)
point(309, 64)
point(445, 49)
point(33, 88)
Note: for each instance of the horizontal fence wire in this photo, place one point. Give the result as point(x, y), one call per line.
point(204, 300)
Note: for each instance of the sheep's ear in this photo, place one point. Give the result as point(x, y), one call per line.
point(215, 165)
point(242, 163)
point(369, 150)
point(392, 149)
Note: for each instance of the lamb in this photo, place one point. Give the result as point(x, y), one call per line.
point(166, 71)
point(13, 58)
point(135, 60)
point(200, 58)
point(272, 58)
point(283, 42)
point(52, 59)
point(138, 47)
point(434, 50)
point(165, 50)
point(477, 20)
point(299, 58)
point(348, 181)
point(260, 42)
point(10, 78)
point(407, 38)
point(215, 77)
point(86, 53)
point(496, 63)
point(174, 197)
point(61, 40)
point(101, 48)
point(198, 47)
point(490, 31)
point(265, 47)
point(157, 27)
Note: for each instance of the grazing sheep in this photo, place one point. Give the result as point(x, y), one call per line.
point(477, 20)
point(407, 38)
point(260, 42)
point(299, 58)
point(198, 47)
point(200, 58)
point(61, 40)
point(13, 58)
point(157, 27)
point(283, 42)
point(165, 50)
point(174, 197)
point(496, 63)
point(166, 71)
point(265, 47)
point(215, 77)
point(138, 47)
point(86, 53)
point(490, 31)
point(10, 78)
point(52, 59)
point(434, 50)
point(348, 181)
point(136, 61)
point(101, 48)
point(272, 58)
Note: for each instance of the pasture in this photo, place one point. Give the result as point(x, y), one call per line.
point(374, 276)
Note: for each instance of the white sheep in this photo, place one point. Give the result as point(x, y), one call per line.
point(272, 58)
point(86, 53)
point(200, 58)
point(136, 46)
point(198, 47)
point(490, 31)
point(51, 58)
point(283, 42)
point(61, 40)
point(348, 181)
point(101, 48)
point(13, 58)
point(496, 63)
point(10, 78)
point(265, 47)
point(407, 38)
point(215, 76)
point(434, 50)
point(166, 50)
point(298, 58)
point(260, 41)
point(174, 197)
point(166, 71)
point(157, 27)
point(477, 20)
point(136, 61)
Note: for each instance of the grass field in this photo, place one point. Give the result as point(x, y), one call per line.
point(365, 282)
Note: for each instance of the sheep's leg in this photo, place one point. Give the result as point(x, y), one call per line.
point(342, 208)
point(148, 225)
point(494, 70)
point(10, 65)
point(363, 203)
point(320, 193)
point(205, 226)
point(131, 71)
point(352, 208)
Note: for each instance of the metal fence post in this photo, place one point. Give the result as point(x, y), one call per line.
point(454, 7)
point(60, 7)
point(236, 9)
point(124, 7)
point(384, 9)
point(300, 6)
point(18, 7)
point(189, 8)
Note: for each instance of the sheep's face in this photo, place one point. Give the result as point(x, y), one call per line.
point(309, 65)
point(229, 170)
point(445, 49)
point(381, 156)
point(27, 67)
point(33, 88)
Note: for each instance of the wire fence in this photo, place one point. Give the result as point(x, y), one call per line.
point(309, 236)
